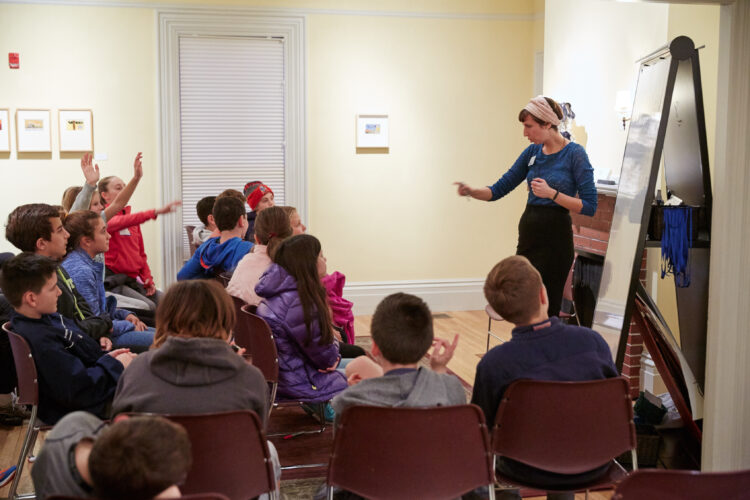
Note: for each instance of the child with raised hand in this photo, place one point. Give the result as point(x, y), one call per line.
point(294, 305)
point(271, 228)
point(401, 335)
point(126, 254)
point(87, 197)
point(89, 237)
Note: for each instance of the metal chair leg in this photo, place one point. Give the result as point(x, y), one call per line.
point(28, 445)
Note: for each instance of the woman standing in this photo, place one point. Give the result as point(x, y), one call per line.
point(555, 170)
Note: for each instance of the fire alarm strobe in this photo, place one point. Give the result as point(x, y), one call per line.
point(13, 60)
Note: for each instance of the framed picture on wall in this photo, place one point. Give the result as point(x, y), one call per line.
point(4, 130)
point(33, 134)
point(372, 131)
point(76, 130)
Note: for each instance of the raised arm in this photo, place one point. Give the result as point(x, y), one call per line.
point(91, 174)
point(123, 197)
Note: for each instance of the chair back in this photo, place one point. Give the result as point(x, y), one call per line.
point(253, 333)
point(681, 484)
point(28, 385)
point(406, 453)
point(199, 496)
point(224, 278)
point(189, 229)
point(230, 454)
point(564, 427)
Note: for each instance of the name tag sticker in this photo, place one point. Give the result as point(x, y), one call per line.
point(124, 232)
point(532, 160)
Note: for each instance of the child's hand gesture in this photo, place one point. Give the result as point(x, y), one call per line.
point(169, 207)
point(138, 167)
point(90, 173)
point(442, 353)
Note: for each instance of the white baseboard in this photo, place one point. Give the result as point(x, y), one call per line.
point(440, 295)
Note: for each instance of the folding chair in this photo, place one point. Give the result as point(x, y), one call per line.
point(566, 428)
point(253, 333)
point(230, 454)
point(493, 316)
point(683, 484)
point(28, 394)
point(189, 229)
point(199, 496)
point(406, 453)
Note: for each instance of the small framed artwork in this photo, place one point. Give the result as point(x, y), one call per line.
point(4, 130)
point(76, 130)
point(33, 134)
point(372, 131)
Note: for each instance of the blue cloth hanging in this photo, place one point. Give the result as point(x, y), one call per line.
point(676, 241)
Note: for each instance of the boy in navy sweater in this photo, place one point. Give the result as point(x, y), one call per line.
point(74, 373)
point(540, 348)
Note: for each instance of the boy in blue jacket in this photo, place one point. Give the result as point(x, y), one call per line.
point(221, 253)
point(74, 373)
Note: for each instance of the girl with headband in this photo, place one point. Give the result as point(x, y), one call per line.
point(555, 170)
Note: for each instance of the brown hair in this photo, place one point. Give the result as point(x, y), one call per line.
point(27, 223)
point(402, 328)
point(552, 103)
point(194, 308)
point(227, 212)
point(138, 458)
point(69, 197)
point(233, 193)
point(79, 224)
point(272, 226)
point(23, 273)
point(289, 210)
point(512, 289)
point(298, 255)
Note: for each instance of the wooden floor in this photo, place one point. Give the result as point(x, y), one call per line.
point(471, 326)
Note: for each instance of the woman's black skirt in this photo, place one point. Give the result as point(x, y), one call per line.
point(545, 237)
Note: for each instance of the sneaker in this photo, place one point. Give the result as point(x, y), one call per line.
point(329, 413)
point(313, 409)
point(7, 475)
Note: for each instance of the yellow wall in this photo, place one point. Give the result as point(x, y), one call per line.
point(452, 77)
point(82, 57)
point(452, 90)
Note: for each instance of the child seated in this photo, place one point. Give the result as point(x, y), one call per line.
point(204, 208)
point(126, 254)
point(271, 228)
point(259, 197)
point(37, 228)
point(401, 335)
point(74, 373)
point(295, 307)
point(84, 456)
point(341, 309)
point(88, 238)
point(221, 253)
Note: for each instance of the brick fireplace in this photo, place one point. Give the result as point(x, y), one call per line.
point(591, 236)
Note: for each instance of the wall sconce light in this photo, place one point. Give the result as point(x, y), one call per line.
point(623, 106)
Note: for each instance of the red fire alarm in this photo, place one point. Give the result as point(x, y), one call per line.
point(13, 60)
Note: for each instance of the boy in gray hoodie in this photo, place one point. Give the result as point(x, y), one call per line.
point(401, 335)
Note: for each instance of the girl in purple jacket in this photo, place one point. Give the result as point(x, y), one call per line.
point(294, 306)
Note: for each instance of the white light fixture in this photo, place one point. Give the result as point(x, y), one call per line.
point(623, 106)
